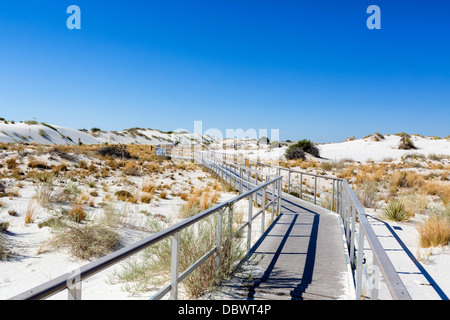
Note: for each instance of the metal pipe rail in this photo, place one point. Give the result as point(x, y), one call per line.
point(355, 223)
point(72, 280)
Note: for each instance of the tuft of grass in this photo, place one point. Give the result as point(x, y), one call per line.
point(4, 251)
point(163, 195)
point(30, 214)
point(11, 164)
point(123, 195)
point(395, 211)
point(434, 231)
point(87, 241)
point(131, 168)
point(77, 213)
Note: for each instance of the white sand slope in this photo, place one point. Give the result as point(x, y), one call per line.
point(367, 149)
point(58, 135)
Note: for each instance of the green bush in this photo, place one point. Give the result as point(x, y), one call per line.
point(305, 145)
point(395, 211)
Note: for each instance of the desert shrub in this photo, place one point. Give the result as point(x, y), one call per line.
point(77, 213)
point(395, 211)
point(114, 151)
point(305, 145)
point(4, 226)
point(149, 188)
point(163, 195)
point(44, 193)
point(131, 168)
point(405, 179)
point(293, 154)
point(11, 163)
point(35, 164)
point(414, 203)
point(30, 214)
point(87, 241)
point(406, 143)
point(146, 198)
point(366, 193)
point(4, 251)
point(434, 231)
point(123, 195)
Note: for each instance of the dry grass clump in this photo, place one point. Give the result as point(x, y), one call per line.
point(131, 168)
point(163, 195)
point(11, 163)
point(149, 188)
point(198, 201)
point(35, 164)
point(32, 208)
point(123, 195)
point(77, 213)
point(146, 198)
point(4, 251)
point(87, 241)
point(434, 231)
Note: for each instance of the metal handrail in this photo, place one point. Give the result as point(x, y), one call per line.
point(350, 209)
point(72, 280)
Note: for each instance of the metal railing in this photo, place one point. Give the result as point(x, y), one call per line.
point(268, 193)
point(336, 195)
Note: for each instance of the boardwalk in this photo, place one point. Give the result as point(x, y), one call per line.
point(302, 256)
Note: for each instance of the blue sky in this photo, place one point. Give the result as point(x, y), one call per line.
point(311, 69)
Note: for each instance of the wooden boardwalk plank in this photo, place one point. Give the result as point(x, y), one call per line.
point(301, 257)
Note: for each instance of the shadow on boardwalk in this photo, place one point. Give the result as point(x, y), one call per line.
point(301, 256)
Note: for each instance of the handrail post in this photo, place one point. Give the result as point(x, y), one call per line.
point(280, 190)
point(219, 239)
point(250, 218)
point(263, 215)
point(175, 266)
point(315, 189)
point(375, 280)
point(273, 202)
point(301, 186)
point(74, 286)
point(359, 263)
point(332, 196)
point(289, 181)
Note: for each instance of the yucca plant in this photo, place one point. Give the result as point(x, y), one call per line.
point(395, 211)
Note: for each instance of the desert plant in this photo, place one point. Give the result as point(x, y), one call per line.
point(305, 145)
point(30, 214)
point(123, 195)
point(395, 210)
point(366, 193)
point(4, 226)
point(434, 231)
point(87, 241)
point(131, 168)
point(406, 143)
point(4, 251)
point(77, 213)
point(293, 154)
point(11, 163)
